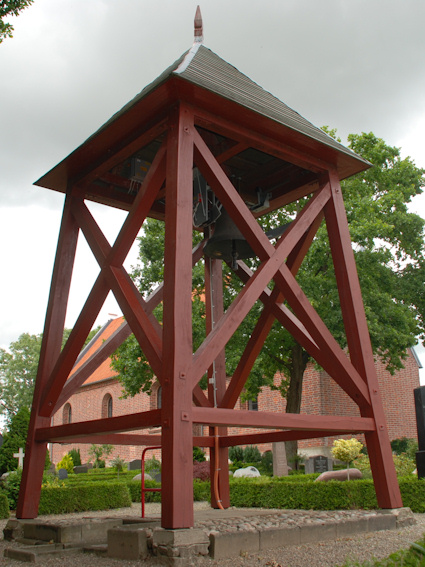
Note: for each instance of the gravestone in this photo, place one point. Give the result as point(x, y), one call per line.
point(135, 465)
point(63, 474)
point(156, 475)
point(318, 464)
point(80, 469)
point(88, 465)
point(280, 465)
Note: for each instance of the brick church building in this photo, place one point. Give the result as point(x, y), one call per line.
point(101, 396)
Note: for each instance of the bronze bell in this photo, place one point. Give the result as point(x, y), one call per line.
point(227, 243)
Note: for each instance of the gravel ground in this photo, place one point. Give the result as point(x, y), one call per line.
point(325, 554)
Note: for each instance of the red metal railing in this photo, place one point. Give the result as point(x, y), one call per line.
point(143, 488)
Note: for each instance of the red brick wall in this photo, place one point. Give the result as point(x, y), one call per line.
point(321, 396)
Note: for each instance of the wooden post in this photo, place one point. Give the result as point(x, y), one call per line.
point(35, 452)
point(216, 383)
point(177, 449)
point(360, 348)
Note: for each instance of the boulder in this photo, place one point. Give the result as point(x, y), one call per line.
point(344, 474)
point(139, 477)
point(248, 472)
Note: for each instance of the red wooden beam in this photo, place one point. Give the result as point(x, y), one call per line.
point(244, 418)
point(177, 453)
point(280, 436)
point(378, 443)
point(35, 452)
point(122, 423)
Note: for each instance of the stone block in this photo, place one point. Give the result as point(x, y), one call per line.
point(96, 530)
point(20, 554)
point(314, 533)
point(14, 529)
point(279, 537)
point(128, 543)
point(352, 527)
point(404, 516)
point(81, 469)
point(179, 537)
point(224, 545)
point(55, 533)
point(382, 521)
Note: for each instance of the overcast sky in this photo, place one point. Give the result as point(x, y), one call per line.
point(355, 65)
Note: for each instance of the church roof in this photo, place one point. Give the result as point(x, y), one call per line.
point(104, 370)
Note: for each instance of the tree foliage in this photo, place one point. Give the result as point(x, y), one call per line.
point(18, 371)
point(10, 8)
point(388, 244)
point(15, 438)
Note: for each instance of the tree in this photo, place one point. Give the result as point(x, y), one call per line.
point(99, 451)
point(18, 370)
point(14, 439)
point(7, 8)
point(389, 249)
point(346, 450)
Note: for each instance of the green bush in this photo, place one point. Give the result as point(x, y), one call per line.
point(66, 463)
point(76, 457)
point(198, 455)
point(403, 465)
point(251, 454)
point(303, 493)
point(99, 496)
point(236, 454)
point(135, 487)
point(4, 506)
point(11, 488)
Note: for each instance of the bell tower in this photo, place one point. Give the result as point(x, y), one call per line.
point(173, 153)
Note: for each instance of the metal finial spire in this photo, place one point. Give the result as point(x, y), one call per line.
point(199, 32)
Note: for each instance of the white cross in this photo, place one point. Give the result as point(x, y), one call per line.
point(20, 456)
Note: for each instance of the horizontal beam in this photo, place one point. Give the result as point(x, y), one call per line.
point(269, 420)
point(277, 437)
point(130, 422)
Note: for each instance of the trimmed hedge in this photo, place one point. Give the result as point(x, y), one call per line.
point(93, 496)
point(310, 495)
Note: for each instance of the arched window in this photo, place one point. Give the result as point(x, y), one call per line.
point(159, 398)
point(67, 414)
point(253, 404)
point(107, 406)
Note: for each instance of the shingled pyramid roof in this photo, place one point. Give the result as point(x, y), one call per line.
point(205, 69)
point(202, 78)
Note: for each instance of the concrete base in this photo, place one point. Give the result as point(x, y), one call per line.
point(138, 539)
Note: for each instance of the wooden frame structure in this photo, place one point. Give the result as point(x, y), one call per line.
point(175, 125)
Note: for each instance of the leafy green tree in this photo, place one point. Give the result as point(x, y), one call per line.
point(96, 452)
point(18, 370)
point(346, 450)
point(389, 249)
point(10, 8)
point(15, 438)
